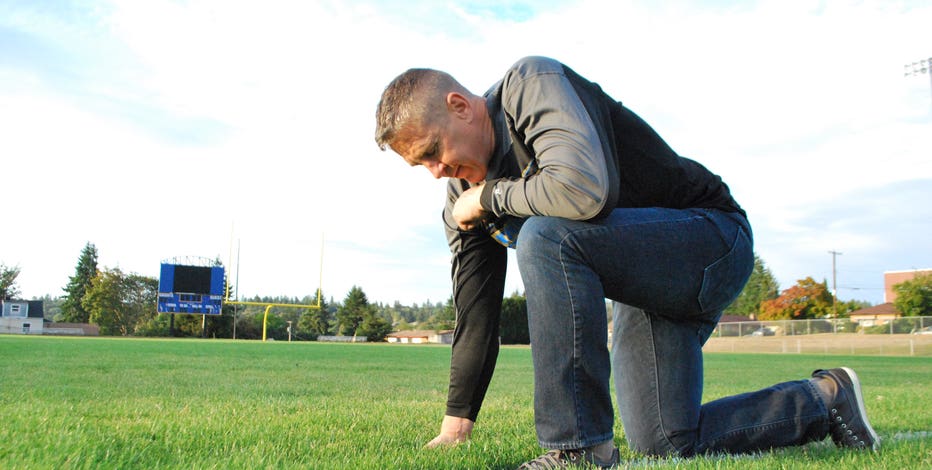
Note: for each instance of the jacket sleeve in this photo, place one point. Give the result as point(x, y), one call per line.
point(551, 120)
point(478, 274)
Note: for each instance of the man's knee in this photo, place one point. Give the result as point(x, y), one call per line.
point(537, 234)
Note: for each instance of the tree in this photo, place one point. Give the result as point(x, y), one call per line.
point(403, 325)
point(314, 322)
point(844, 309)
point(8, 275)
point(117, 303)
point(221, 326)
point(351, 313)
point(445, 318)
point(373, 326)
point(72, 309)
point(761, 286)
point(158, 325)
point(914, 297)
point(514, 329)
point(197, 325)
point(248, 325)
point(213, 325)
point(51, 306)
point(807, 299)
point(189, 325)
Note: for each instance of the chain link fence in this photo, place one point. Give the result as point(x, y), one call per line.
point(909, 336)
point(905, 325)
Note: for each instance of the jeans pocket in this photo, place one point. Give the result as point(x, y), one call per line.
point(723, 280)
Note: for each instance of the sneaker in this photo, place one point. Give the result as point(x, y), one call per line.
point(849, 426)
point(575, 458)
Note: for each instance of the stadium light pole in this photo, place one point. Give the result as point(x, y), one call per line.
point(914, 69)
point(235, 306)
point(320, 277)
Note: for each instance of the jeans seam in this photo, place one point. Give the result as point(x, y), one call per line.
point(706, 272)
point(576, 358)
point(655, 378)
point(576, 340)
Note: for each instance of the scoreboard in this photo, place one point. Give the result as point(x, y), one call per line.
point(190, 289)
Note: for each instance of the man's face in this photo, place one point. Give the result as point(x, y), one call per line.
point(451, 150)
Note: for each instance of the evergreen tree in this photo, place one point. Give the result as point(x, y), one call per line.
point(72, 309)
point(373, 326)
point(351, 314)
point(761, 286)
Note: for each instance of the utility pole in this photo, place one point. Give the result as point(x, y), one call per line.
point(834, 285)
point(914, 69)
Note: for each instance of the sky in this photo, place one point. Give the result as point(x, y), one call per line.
point(243, 131)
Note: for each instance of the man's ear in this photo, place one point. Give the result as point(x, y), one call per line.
point(459, 105)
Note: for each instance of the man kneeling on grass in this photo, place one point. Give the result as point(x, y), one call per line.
point(597, 206)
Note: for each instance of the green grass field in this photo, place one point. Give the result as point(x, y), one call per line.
point(144, 403)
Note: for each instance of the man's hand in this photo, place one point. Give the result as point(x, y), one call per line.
point(467, 211)
point(453, 430)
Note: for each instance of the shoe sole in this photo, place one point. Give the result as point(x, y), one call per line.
point(856, 384)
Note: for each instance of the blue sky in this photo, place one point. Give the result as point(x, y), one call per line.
point(190, 128)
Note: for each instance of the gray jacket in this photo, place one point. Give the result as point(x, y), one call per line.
point(563, 148)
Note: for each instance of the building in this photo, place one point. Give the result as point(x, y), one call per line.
point(892, 278)
point(24, 317)
point(71, 329)
point(876, 315)
point(886, 312)
point(421, 337)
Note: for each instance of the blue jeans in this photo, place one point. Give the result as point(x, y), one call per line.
point(671, 272)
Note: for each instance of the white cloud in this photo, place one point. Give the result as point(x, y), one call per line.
point(188, 121)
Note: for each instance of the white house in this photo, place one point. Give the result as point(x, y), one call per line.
point(24, 317)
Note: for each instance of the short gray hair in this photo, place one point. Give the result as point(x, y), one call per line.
point(414, 98)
